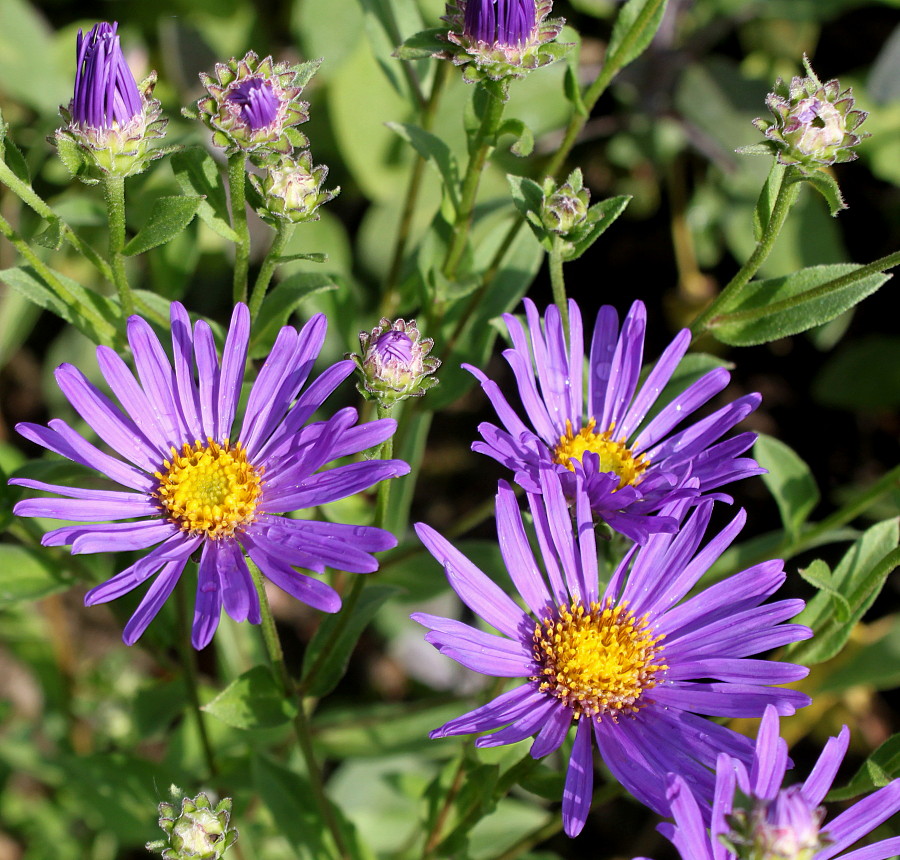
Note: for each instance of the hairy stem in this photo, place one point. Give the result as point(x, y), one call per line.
point(237, 178)
point(557, 281)
point(114, 195)
point(284, 232)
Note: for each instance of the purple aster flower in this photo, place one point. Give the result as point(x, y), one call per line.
point(630, 467)
point(256, 102)
point(195, 485)
point(501, 22)
point(753, 816)
point(631, 664)
point(106, 95)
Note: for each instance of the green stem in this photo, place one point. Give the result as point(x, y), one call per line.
point(391, 298)
point(875, 268)
point(189, 666)
point(101, 326)
point(28, 195)
point(114, 195)
point(787, 196)
point(284, 232)
point(557, 280)
point(300, 723)
point(237, 178)
point(481, 147)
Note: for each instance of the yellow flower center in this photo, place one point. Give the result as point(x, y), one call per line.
point(615, 456)
point(209, 488)
point(597, 661)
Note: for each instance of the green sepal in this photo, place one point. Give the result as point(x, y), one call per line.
point(422, 45)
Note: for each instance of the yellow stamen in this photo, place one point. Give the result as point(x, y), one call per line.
point(615, 456)
point(598, 661)
point(209, 489)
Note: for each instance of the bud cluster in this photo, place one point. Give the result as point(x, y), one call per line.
point(196, 831)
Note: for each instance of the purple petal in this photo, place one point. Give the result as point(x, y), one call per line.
point(307, 590)
point(690, 836)
point(579, 782)
point(182, 348)
point(553, 732)
point(153, 600)
point(603, 347)
point(111, 537)
point(83, 510)
point(208, 376)
point(506, 708)
point(729, 700)
point(822, 775)
point(771, 759)
point(524, 727)
point(862, 818)
point(234, 359)
point(208, 604)
point(239, 594)
point(626, 368)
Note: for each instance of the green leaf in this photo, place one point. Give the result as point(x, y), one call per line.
point(331, 666)
point(827, 186)
point(168, 217)
point(524, 138)
point(847, 382)
point(778, 307)
point(314, 257)
point(94, 315)
point(766, 202)
point(528, 198)
point(281, 302)
point(819, 575)
point(634, 29)
point(422, 44)
point(14, 159)
point(860, 577)
point(255, 700)
point(51, 236)
point(877, 771)
point(199, 175)
point(600, 216)
point(28, 574)
point(434, 150)
point(789, 480)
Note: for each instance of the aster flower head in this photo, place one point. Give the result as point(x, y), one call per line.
point(499, 39)
point(629, 467)
point(814, 124)
point(197, 482)
point(111, 119)
point(395, 363)
point(195, 831)
point(291, 190)
point(631, 665)
point(254, 105)
point(754, 818)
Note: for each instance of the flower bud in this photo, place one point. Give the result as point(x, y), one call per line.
point(197, 832)
point(253, 105)
point(111, 119)
point(498, 39)
point(814, 124)
point(291, 190)
point(395, 363)
point(565, 208)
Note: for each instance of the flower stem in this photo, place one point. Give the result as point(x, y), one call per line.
point(787, 196)
point(114, 195)
point(191, 678)
point(480, 149)
point(557, 280)
point(301, 722)
point(237, 178)
point(284, 232)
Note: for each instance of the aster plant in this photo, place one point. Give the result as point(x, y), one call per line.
point(630, 467)
point(111, 119)
point(194, 485)
point(630, 665)
point(755, 818)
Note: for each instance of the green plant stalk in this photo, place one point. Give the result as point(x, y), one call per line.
point(784, 202)
point(30, 197)
point(192, 680)
point(390, 300)
point(481, 148)
point(114, 195)
point(300, 723)
point(237, 178)
point(877, 267)
point(351, 598)
point(62, 292)
point(557, 280)
point(283, 234)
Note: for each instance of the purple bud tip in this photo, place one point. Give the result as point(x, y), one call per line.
point(394, 345)
point(501, 22)
point(258, 103)
point(106, 94)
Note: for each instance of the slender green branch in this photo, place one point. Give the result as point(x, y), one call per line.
point(191, 677)
point(481, 147)
point(787, 196)
point(300, 723)
point(433, 839)
point(557, 280)
point(237, 178)
point(282, 236)
point(114, 195)
point(391, 298)
point(28, 195)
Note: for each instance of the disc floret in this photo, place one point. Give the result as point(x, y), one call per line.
point(614, 454)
